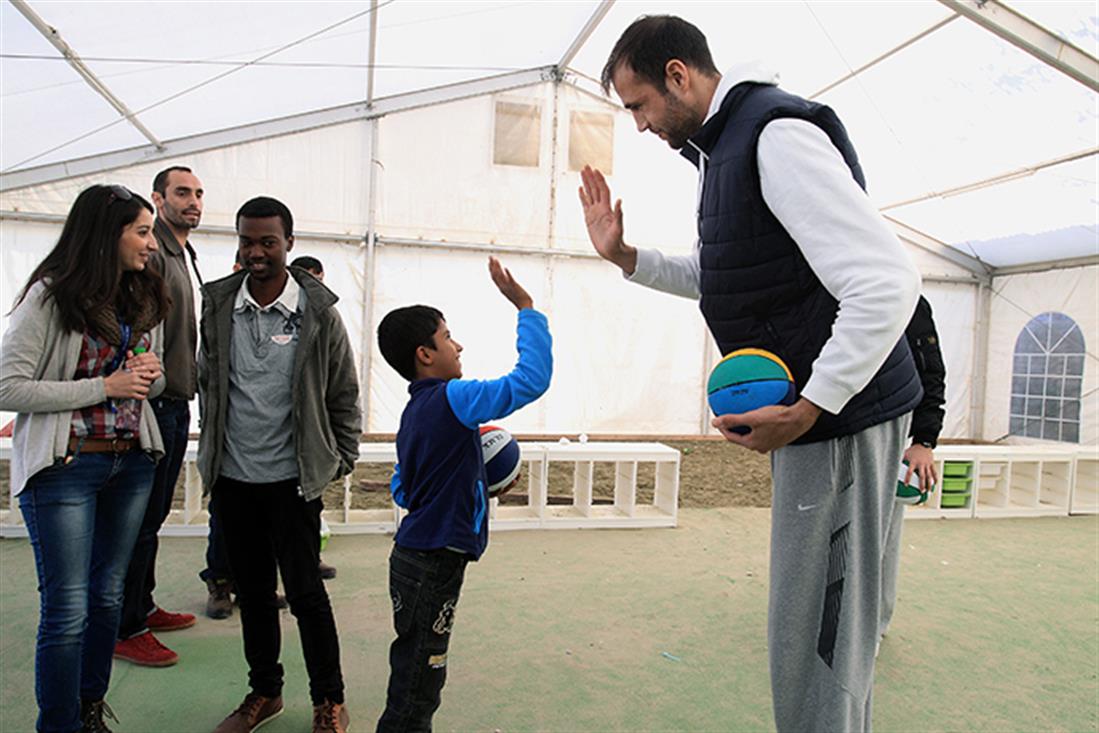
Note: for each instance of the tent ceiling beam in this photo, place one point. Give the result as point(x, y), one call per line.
point(489, 247)
point(52, 35)
point(275, 128)
point(891, 52)
point(207, 230)
point(1023, 33)
point(995, 180)
point(596, 18)
point(941, 249)
point(1065, 264)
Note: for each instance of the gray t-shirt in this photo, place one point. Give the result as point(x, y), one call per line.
point(259, 429)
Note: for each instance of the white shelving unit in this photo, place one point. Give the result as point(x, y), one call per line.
point(625, 511)
point(1018, 481)
point(535, 514)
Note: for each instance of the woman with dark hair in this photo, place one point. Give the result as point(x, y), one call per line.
point(78, 364)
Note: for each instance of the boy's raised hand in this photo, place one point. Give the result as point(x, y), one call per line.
point(512, 290)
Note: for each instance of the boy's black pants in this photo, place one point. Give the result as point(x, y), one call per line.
point(269, 528)
point(424, 587)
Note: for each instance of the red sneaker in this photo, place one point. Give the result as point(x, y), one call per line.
point(161, 620)
point(146, 650)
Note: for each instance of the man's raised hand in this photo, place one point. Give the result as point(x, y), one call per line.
point(604, 222)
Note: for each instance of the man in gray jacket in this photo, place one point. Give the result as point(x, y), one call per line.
point(280, 420)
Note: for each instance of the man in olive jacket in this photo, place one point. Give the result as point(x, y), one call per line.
point(280, 420)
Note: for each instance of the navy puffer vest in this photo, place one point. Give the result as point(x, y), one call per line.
point(757, 289)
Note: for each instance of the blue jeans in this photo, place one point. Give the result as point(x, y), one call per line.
point(82, 518)
point(173, 417)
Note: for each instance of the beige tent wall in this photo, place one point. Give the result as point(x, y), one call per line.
point(628, 360)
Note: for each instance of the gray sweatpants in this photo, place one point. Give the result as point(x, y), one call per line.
point(891, 568)
point(830, 516)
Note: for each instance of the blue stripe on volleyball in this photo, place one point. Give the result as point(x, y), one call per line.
point(738, 399)
point(502, 465)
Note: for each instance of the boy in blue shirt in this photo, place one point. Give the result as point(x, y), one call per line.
point(441, 481)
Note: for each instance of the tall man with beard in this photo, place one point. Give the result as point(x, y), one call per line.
point(177, 195)
point(792, 257)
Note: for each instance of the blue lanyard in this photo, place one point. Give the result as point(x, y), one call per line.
point(125, 330)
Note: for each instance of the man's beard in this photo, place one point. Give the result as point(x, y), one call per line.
point(176, 219)
point(680, 123)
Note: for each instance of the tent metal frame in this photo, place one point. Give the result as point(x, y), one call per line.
point(52, 35)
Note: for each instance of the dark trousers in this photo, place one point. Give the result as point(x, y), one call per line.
point(424, 588)
point(217, 564)
point(270, 528)
point(174, 419)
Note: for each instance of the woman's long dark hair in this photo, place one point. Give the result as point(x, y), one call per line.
point(83, 272)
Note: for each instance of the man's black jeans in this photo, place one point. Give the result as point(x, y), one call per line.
point(269, 527)
point(424, 588)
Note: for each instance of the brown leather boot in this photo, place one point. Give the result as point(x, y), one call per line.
point(251, 714)
point(330, 717)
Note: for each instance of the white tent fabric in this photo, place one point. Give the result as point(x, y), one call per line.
point(940, 126)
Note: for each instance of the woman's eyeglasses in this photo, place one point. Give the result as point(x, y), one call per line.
point(119, 193)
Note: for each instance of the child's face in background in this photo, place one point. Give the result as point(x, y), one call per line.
point(446, 358)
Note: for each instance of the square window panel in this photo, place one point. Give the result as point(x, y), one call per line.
point(1018, 385)
point(1022, 364)
point(591, 141)
point(1034, 406)
point(1018, 405)
point(1074, 365)
point(1033, 429)
point(1070, 410)
point(1036, 386)
point(1056, 364)
point(1073, 387)
point(1038, 364)
point(518, 137)
point(1016, 426)
point(1052, 409)
point(1053, 386)
point(1071, 432)
point(1051, 430)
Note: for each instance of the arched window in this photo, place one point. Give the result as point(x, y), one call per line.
point(1047, 379)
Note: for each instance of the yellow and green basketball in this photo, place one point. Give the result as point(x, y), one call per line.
point(747, 379)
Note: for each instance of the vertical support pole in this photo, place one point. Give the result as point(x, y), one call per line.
point(551, 234)
point(981, 328)
point(369, 267)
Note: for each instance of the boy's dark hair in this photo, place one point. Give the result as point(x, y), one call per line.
point(651, 42)
point(306, 262)
point(160, 183)
point(262, 207)
point(404, 330)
